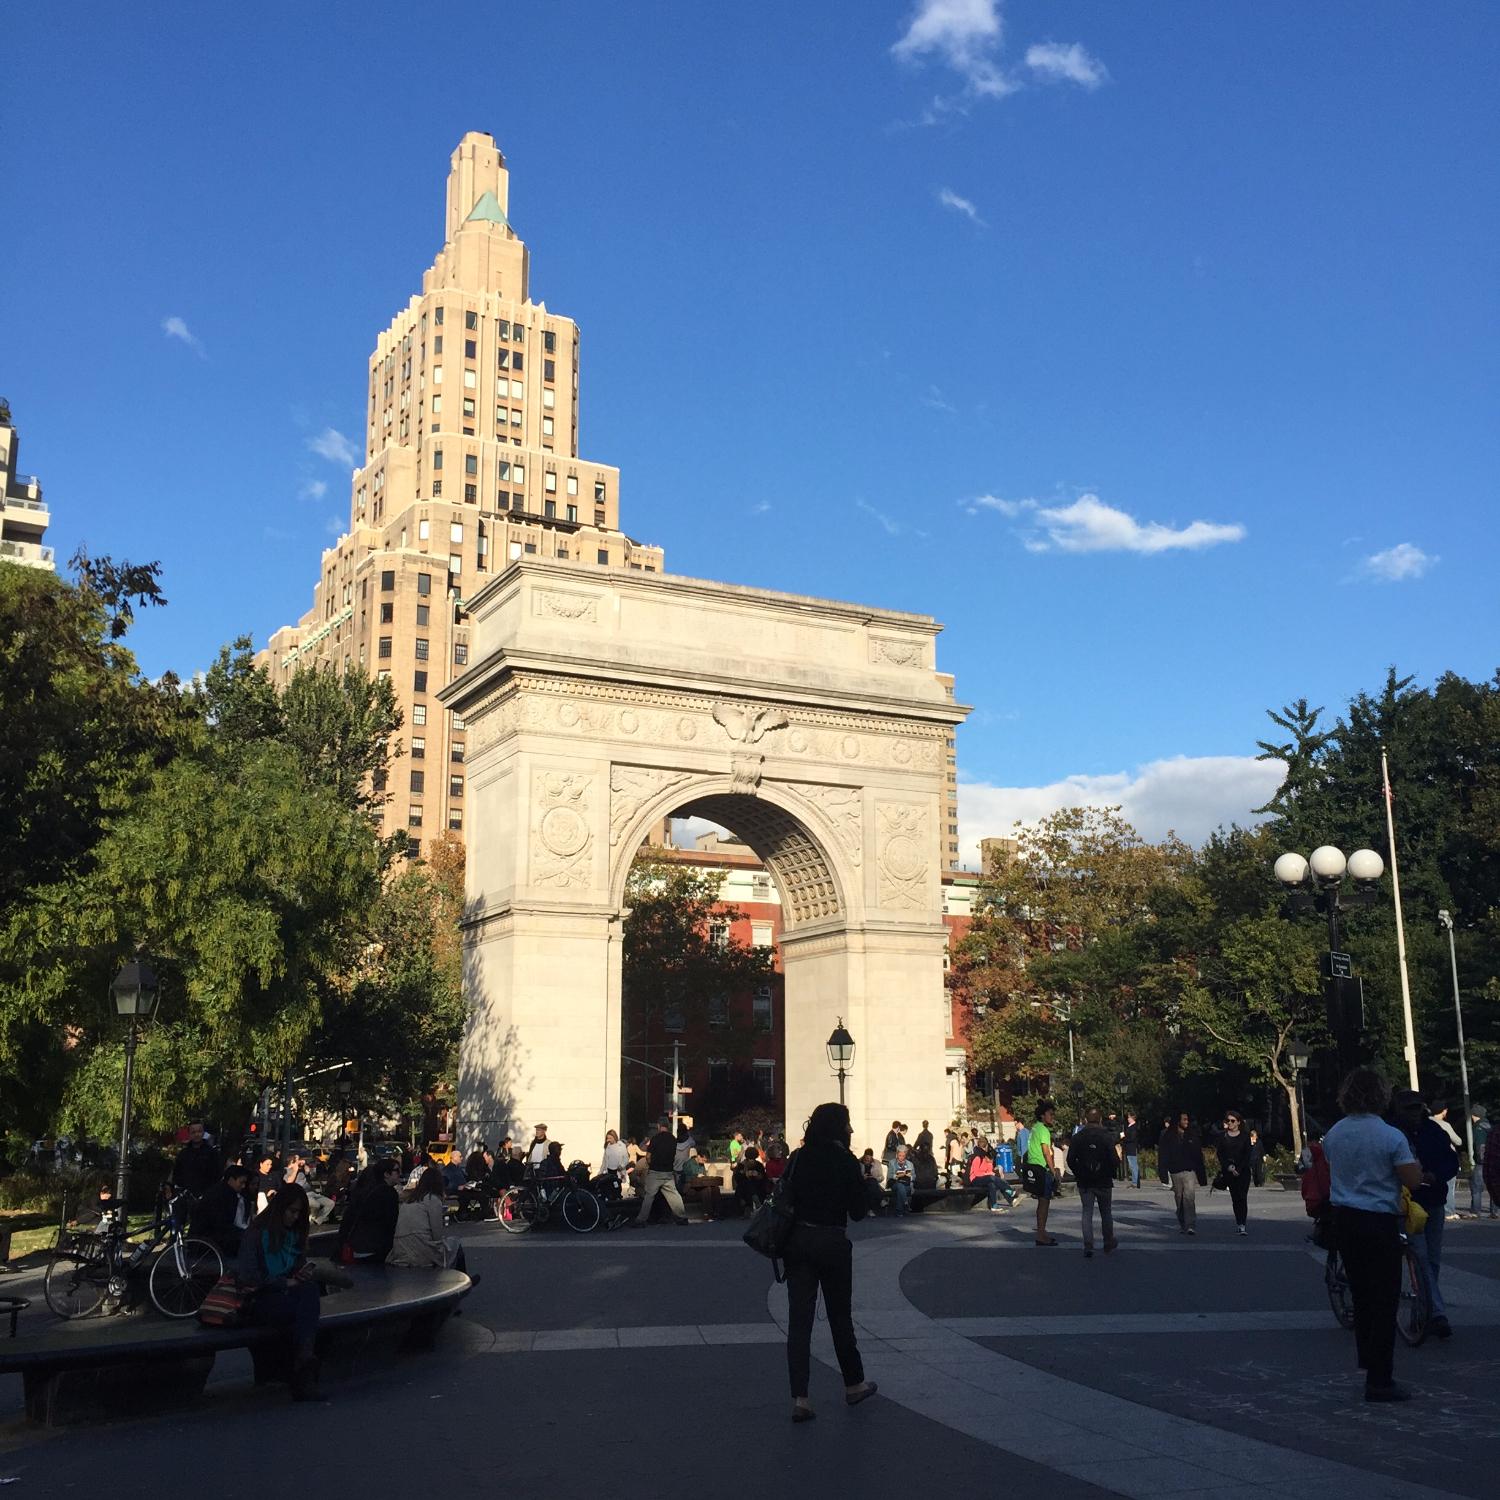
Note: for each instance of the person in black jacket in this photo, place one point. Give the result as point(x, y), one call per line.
point(223, 1211)
point(824, 1189)
point(197, 1166)
point(1236, 1165)
point(1180, 1154)
point(369, 1223)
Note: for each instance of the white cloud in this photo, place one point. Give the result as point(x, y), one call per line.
point(935, 398)
point(1089, 525)
point(334, 446)
point(888, 524)
point(1010, 509)
point(760, 507)
point(964, 34)
point(1188, 795)
point(176, 328)
point(1065, 62)
point(334, 526)
point(949, 199)
point(1397, 564)
point(313, 489)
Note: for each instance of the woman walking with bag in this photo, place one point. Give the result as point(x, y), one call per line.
point(824, 1190)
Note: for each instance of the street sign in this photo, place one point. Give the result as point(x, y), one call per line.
point(1338, 966)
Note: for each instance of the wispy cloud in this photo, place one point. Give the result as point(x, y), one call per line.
point(888, 524)
point(176, 328)
point(313, 489)
point(935, 399)
point(1397, 564)
point(1189, 795)
point(1089, 525)
point(960, 205)
point(334, 446)
point(760, 507)
point(966, 36)
point(1065, 62)
point(334, 526)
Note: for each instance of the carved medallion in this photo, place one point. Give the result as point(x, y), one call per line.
point(562, 840)
point(901, 844)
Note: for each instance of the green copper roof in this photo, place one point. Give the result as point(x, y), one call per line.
point(488, 209)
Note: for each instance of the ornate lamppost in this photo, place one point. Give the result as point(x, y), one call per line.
point(135, 995)
point(841, 1054)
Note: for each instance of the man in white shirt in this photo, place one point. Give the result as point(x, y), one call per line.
point(536, 1153)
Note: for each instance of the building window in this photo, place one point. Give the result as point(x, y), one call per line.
point(460, 654)
point(422, 648)
point(471, 463)
point(718, 1075)
point(549, 343)
point(424, 529)
point(437, 316)
point(419, 713)
point(718, 1012)
point(413, 817)
point(718, 934)
point(455, 818)
point(419, 682)
point(674, 1019)
point(471, 494)
point(599, 496)
point(468, 406)
point(456, 753)
point(387, 581)
point(572, 484)
point(418, 780)
point(549, 370)
point(387, 613)
point(502, 328)
point(458, 723)
point(418, 747)
point(572, 512)
point(546, 426)
point(471, 320)
point(603, 557)
point(764, 1072)
point(517, 358)
point(549, 509)
point(437, 344)
point(760, 934)
point(531, 546)
point(384, 648)
point(424, 584)
point(424, 613)
point(549, 482)
point(760, 1008)
point(455, 563)
point(471, 349)
point(471, 381)
point(455, 786)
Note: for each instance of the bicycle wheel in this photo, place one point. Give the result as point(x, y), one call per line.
point(581, 1211)
point(1414, 1311)
point(76, 1282)
point(184, 1274)
point(1340, 1299)
point(519, 1210)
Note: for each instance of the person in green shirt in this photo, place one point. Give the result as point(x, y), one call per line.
point(1043, 1184)
point(736, 1148)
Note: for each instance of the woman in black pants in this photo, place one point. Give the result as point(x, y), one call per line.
point(1234, 1163)
point(825, 1189)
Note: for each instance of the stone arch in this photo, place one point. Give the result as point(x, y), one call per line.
point(801, 860)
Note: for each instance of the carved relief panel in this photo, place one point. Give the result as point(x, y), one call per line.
point(562, 833)
point(901, 854)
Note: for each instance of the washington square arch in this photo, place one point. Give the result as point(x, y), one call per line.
point(601, 702)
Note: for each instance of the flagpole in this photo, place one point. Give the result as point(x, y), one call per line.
point(1390, 832)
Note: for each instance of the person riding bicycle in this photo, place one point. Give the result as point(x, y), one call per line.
point(1439, 1162)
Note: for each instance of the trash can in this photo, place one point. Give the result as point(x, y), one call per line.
point(1005, 1157)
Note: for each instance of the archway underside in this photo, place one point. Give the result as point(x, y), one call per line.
point(784, 846)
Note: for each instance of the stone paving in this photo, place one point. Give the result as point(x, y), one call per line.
point(1175, 1367)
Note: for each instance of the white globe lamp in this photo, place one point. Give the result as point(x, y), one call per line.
point(1328, 864)
point(1366, 866)
point(1290, 869)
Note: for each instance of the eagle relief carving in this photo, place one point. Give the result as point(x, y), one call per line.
point(746, 726)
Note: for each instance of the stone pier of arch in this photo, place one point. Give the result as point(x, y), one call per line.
point(600, 702)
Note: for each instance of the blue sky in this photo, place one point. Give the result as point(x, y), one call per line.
point(1149, 347)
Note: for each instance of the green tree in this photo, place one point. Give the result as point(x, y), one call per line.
point(678, 952)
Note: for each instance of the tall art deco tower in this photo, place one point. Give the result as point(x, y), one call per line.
point(470, 461)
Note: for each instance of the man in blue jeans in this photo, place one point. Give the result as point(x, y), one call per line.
point(1480, 1124)
point(902, 1177)
point(1130, 1145)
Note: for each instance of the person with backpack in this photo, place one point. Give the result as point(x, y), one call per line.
point(1479, 1123)
point(1094, 1157)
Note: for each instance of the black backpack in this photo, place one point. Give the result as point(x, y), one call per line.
point(1090, 1160)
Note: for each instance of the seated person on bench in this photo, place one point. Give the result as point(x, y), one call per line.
point(751, 1185)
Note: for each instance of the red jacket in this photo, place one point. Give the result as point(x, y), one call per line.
point(1317, 1184)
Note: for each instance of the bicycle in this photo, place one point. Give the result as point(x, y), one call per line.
point(92, 1270)
point(1413, 1312)
point(531, 1203)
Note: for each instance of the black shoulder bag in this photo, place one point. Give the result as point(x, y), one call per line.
point(772, 1224)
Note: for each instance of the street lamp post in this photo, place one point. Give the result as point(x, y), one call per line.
point(1445, 921)
point(1298, 1057)
point(841, 1054)
point(135, 993)
point(1317, 883)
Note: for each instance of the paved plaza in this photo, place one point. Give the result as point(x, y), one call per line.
point(636, 1364)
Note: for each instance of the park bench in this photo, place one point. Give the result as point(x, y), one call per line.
point(103, 1367)
point(957, 1200)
